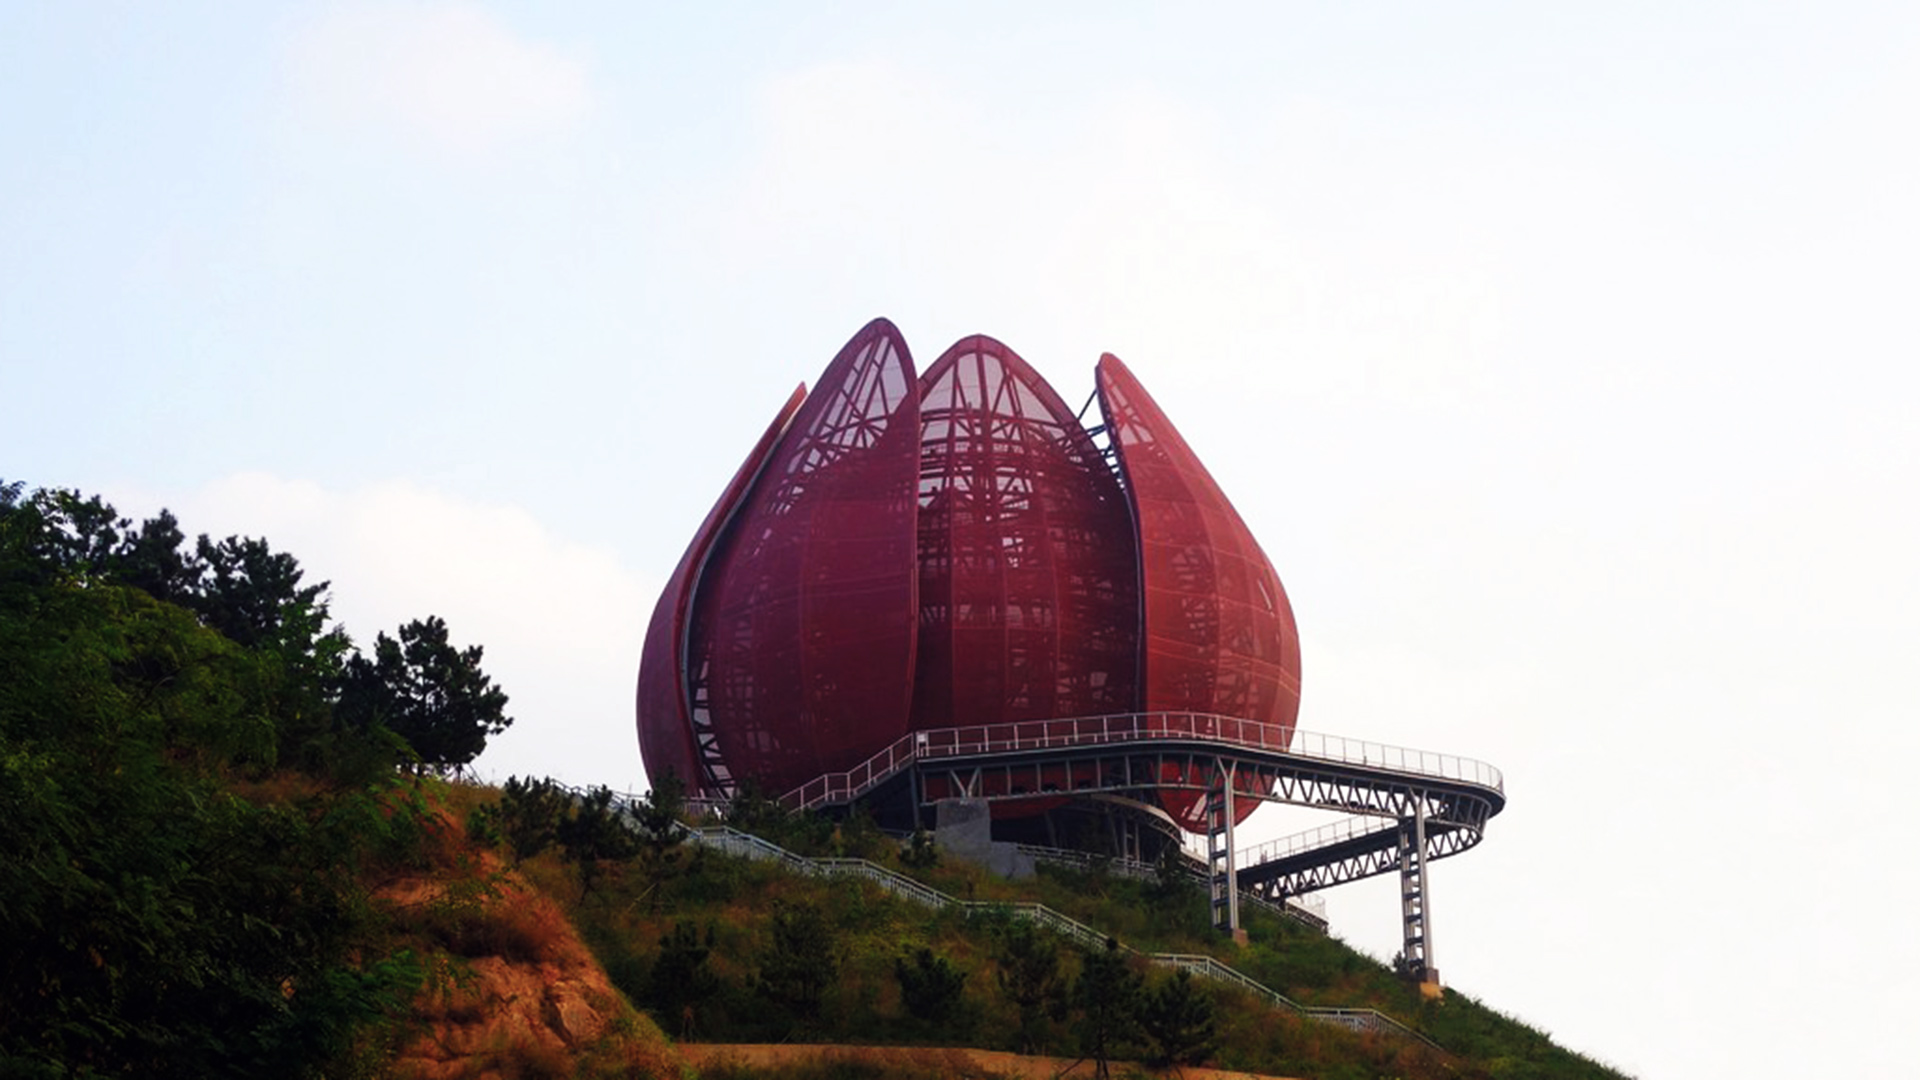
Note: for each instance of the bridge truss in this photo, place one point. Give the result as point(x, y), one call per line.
point(1405, 807)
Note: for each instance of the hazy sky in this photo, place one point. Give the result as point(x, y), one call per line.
point(1564, 362)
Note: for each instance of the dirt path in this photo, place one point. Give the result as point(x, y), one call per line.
point(957, 1063)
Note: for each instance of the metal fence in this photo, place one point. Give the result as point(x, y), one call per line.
point(745, 845)
point(1311, 910)
point(1133, 727)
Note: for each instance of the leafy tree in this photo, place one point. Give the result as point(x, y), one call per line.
point(1029, 975)
point(155, 924)
point(800, 962)
point(427, 692)
point(1171, 884)
point(526, 819)
point(154, 559)
point(1179, 1021)
point(246, 590)
point(50, 534)
point(657, 817)
point(252, 594)
point(81, 533)
point(930, 986)
point(920, 853)
point(533, 815)
point(1107, 995)
point(593, 834)
point(753, 810)
point(239, 587)
point(857, 836)
point(681, 981)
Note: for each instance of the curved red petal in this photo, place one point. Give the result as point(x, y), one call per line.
point(1218, 633)
point(668, 742)
point(1026, 603)
point(802, 634)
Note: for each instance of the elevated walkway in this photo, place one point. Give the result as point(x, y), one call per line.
point(1407, 807)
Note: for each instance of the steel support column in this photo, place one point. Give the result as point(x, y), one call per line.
point(1416, 921)
point(1225, 885)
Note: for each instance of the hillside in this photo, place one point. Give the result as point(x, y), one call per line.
point(737, 916)
point(228, 854)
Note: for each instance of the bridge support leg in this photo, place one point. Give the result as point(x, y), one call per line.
point(1416, 927)
point(1225, 883)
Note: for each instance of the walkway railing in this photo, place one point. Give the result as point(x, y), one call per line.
point(1310, 909)
point(745, 845)
point(1135, 727)
point(1324, 836)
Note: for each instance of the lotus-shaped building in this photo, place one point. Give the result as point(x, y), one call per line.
point(909, 552)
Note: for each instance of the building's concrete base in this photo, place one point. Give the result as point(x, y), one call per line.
point(963, 828)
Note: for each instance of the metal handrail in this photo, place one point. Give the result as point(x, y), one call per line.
point(1134, 727)
point(1324, 836)
point(1308, 909)
point(734, 842)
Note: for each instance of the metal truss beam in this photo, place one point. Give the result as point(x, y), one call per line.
point(1428, 806)
point(1453, 814)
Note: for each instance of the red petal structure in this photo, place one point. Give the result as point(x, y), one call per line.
point(800, 656)
point(668, 742)
point(1027, 606)
point(902, 554)
point(1218, 632)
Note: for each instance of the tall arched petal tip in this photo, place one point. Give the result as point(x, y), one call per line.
point(669, 741)
point(885, 513)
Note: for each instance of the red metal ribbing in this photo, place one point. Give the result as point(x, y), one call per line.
point(803, 625)
point(668, 742)
point(1027, 598)
point(1218, 633)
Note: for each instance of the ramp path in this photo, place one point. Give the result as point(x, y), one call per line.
point(1406, 806)
point(745, 845)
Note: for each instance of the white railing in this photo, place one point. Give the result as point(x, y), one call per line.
point(1308, 909)
point(1371, 1020)
point(1135, 727)
point(1325, 835)
point(746, 845)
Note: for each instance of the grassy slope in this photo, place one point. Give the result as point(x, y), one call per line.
point(625, 919)
point(457, 904)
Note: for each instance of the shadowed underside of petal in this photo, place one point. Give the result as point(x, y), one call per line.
point(1218, 634)
point(802, 635)
point(668, 741)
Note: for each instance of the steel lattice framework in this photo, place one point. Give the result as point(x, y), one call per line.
point(672, 741)
point(911, 575)
point(801, 635)
point(905, 553)
point(1024, 597)
point(1407, 807)
point(1217, 631)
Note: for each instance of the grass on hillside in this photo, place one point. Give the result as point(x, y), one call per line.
point(455, 902)
point(732, 907)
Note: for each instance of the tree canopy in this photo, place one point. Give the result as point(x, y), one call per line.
point(428, 692)
point(152, 921)
point(337, 708)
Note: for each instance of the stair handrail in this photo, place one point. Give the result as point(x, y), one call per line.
point(735, 842)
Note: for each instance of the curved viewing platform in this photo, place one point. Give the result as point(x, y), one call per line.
point(1226, 731)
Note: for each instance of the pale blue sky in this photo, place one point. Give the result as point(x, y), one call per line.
point(1563, 361)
